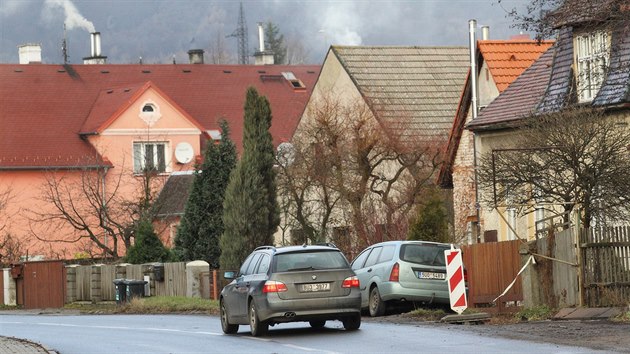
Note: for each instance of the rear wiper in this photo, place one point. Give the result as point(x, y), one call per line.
point(302, 268)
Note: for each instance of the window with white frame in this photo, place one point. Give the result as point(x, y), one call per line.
point(149, 156)
point(592, 51)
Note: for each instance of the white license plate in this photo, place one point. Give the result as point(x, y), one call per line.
point(430, 275)
point(307, 288)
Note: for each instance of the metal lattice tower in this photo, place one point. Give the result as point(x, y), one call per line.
point(241, 35)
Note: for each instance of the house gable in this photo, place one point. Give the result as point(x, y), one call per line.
point(148, 108)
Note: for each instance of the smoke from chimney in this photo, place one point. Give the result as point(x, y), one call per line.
point(73, 18)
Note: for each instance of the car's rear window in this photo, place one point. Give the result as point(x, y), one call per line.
point(427, 254)
point(287, 262)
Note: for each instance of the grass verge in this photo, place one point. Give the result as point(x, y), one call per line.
point(154, 304)
point(536, 313)
point(624, 316)
point(426, 314)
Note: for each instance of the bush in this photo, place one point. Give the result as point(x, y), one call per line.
point(537, 313)
point(431, 222)
point(148, 247)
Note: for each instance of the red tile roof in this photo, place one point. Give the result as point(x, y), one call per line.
point(520, 100)
point(508, 59)
point(43, 108)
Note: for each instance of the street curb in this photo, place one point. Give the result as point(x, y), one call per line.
point(473, 318)
point(26, 346)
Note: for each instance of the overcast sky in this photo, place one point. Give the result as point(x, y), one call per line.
point(159, 30)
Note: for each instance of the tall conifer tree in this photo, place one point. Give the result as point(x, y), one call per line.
point(202, 225)
point(251, 214)
point(275, 42)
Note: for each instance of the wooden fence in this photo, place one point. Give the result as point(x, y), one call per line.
point(563, 277)
point(91, 279)
point(490, 268)
point(605, 255)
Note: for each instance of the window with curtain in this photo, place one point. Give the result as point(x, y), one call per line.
point(149, 156)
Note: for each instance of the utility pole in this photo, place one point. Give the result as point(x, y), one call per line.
point(241, 35)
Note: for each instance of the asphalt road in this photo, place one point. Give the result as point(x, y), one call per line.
point(86, 334)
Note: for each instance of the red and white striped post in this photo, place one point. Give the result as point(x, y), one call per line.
point(455, 279)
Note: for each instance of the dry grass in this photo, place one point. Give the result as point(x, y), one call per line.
point(154, 304)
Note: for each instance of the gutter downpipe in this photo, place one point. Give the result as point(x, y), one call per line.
point(472, 27)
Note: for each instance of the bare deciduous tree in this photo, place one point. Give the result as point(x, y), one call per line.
point(578, 157)
point(297, 53)
point(10, 247)
point(543, 17)
point(349, 170)
point(90, 202)
point(218, 50)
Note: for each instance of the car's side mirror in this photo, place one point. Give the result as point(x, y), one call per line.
point(229, 275)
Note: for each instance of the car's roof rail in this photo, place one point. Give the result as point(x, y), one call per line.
point(265, 248)
point(328, 244)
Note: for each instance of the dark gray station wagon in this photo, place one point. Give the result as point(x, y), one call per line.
point(290, 284)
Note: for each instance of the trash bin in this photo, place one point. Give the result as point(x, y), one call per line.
point(135, 288)
point(121, 291)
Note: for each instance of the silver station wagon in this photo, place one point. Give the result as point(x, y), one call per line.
point(395, 271)
point(290, 284)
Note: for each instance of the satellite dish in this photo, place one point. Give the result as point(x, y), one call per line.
point(286, 154)
point(184, 152)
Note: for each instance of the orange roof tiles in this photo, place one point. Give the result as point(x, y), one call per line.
point(508, 59)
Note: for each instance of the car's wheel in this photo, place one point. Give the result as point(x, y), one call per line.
point(317, 323)
point(226, 326)
point(258, 327)
point(352, 323)
point(377, 305)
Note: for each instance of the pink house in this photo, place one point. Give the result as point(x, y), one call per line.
point(90, 130)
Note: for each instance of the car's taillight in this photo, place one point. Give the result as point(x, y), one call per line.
point(350, 282)
point(395, 274)
point(272, 286)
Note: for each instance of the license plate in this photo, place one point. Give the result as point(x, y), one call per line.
point(308, 288)
point(430, 275)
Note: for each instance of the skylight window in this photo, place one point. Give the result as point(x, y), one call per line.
point(294, 81)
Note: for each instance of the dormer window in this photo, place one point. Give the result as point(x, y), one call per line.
point(592, 51)
point(148, 108)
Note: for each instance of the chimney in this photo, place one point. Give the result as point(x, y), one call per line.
point(30, 53)
point(262, 56)
point(96, 56)
point(485, 33)
point(472, 28)
point(261, 37)
point(195, 56)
